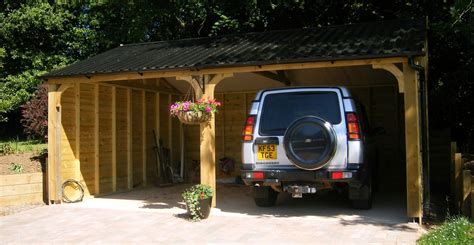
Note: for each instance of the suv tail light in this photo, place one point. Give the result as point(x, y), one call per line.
point(248, 129)
point(353, 130)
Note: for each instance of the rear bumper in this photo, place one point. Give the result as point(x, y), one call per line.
point(277, 177)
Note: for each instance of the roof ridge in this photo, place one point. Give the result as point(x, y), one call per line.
point(266, 32)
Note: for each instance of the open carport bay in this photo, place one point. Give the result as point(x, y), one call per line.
point(158, 215)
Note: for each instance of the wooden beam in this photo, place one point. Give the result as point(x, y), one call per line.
point(114, 139)
point(117, 76)
point(412, 144)
point(132, 85)
point(144, 137)
point(279, 76)
point(129, 139)
point(395, 71)
point(96, 141)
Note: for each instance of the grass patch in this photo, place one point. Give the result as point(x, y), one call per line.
point(24, 146)
point(457, 230)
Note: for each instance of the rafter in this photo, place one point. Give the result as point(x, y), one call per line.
point(279, 76)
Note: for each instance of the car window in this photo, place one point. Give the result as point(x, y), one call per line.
point(279, 110)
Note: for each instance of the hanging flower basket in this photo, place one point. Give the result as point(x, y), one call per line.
point(190, 112)
point(193, 117)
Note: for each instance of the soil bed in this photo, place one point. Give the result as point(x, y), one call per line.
point(31, 164)
point(29, 161)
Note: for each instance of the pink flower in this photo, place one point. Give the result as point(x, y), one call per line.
point(208, 109)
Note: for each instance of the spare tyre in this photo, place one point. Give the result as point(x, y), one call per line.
point(310, 142)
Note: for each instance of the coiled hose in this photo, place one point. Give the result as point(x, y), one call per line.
point(76, 185)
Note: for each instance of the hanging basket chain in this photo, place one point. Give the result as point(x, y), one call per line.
point(192, 110)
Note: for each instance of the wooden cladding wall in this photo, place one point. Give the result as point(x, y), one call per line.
point(107, 140)
point(114, 150)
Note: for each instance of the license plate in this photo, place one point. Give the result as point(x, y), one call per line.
point(266, 152)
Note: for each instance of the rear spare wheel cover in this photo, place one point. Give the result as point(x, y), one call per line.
point(310, 142)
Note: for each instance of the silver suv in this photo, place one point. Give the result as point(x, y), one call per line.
point(306, 139)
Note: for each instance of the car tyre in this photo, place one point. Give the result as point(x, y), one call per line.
point(264, 196)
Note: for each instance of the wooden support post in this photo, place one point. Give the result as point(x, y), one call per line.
point(181, 149)
point(129, 139)
point(52, 144)
point(412, 144)
point(157, 126)
point(223, 126)
point(452, 176)
point(170, 133)
point(472, 198)
point(144, 137)
point(96, 140)
point(114, 139)
point(458, 181)
point(54, 141)
point(466, 197)
point(208, 139)
point(77, 151)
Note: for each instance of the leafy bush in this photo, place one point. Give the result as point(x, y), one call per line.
point(456, 230)
point(35, 114)
point(6, 149)
point(191, 197)
point(17, 168)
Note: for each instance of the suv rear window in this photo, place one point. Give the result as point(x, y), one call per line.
point(279, 110)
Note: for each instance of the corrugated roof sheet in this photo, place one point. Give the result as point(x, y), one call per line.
point(397, 38)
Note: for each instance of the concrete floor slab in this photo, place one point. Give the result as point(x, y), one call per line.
point(158, 215)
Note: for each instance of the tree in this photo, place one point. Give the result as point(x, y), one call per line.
point(36, 38)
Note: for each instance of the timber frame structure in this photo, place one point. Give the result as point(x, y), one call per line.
point(155, 89)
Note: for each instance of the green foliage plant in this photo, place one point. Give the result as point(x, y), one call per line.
point(457, 230)
point(191, 197)
point(16, 168)
point(6, 149)
point(17, 146)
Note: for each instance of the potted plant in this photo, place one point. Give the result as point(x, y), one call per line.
point(198, 199)
point(190, 112)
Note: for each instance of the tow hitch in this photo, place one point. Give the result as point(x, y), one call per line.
point(298, 191)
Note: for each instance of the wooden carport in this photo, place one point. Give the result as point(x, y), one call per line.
point(98, 98)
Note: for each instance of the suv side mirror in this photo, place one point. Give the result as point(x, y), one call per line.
point(379, 131)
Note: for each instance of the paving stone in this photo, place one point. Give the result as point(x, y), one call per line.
point(236, 220)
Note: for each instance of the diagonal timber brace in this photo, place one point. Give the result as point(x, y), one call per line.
point(279, 76)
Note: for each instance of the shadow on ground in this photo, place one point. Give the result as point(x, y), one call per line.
point(235, 200)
